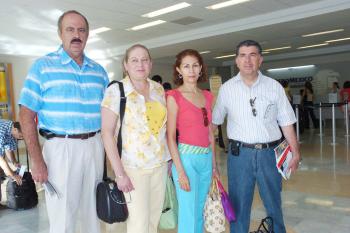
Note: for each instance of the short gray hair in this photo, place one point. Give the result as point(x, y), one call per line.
point(60, 19)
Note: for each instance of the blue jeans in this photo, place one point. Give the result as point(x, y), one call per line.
point(250, 167)
point(198, 168)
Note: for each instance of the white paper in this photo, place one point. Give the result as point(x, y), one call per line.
point(50, 189)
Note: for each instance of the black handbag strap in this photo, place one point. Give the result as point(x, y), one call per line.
point(121, 116)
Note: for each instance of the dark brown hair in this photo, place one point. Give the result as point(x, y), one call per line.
point(17, 126)
point(248, 43)
point(180, 56)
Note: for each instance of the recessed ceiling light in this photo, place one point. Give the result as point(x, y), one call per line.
point(280, 48)
point(146, 25)
point(167, 10)
point(225, 4)
point(204, 52)
point(225, 56)
point(99, 30)
point(322, 33)
point(335, 40)
point(311, 46)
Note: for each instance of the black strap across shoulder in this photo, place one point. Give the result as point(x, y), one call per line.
point(121, 116)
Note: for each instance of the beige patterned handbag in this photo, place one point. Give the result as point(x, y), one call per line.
point(214, 216)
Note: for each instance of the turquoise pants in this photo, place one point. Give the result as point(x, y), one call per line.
point(198, 168)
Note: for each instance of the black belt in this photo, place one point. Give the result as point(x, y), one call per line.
point(48, 135)
point(257, 146)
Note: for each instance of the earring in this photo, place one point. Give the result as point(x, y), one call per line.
point(180, 76)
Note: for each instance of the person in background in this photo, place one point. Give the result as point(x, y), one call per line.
point(167, 86)
point(141, 169)
point(285, 86)
point(255, 106)
point(157, 78)
point(189, 112)
point(9, 133)
point(65, 89)
point(344, 94)
point(308, 105)
point(335, 88)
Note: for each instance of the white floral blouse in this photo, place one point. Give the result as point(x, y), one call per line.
point(141, 148)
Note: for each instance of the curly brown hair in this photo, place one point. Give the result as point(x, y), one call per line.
point(179, 57)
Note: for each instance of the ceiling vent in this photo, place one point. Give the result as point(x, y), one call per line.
point(186, 20)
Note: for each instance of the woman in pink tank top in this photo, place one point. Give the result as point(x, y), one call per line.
point(189, 113)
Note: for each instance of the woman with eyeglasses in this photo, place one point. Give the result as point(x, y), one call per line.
point(189, 112)
point(142, 168)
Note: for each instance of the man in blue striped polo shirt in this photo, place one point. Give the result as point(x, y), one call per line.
point(64, 90)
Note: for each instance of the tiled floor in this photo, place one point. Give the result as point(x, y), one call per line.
point(315, 200)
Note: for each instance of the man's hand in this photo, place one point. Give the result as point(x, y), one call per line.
point(39, 171)
point(17, 178)
point(294, 163)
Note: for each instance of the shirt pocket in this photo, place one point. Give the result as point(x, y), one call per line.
point(270, 112)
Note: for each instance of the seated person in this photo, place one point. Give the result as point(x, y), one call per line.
point(9, 133)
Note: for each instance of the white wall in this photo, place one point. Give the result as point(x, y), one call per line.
point(20, 67)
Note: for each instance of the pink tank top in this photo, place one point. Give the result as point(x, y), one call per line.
point(190, 119)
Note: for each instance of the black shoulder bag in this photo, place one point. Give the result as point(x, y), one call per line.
point(110, 201)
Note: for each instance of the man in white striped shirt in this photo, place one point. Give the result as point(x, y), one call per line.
point(255, 106)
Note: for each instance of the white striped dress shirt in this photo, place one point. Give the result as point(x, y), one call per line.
point(272, 109)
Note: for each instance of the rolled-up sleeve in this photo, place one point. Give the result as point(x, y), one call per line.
point(285, 115)
point(31, 92)
point(111, 99)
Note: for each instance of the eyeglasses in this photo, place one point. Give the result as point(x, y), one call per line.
point(205, 116)
point(252, 104)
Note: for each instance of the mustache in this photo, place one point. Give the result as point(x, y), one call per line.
point(76, 40)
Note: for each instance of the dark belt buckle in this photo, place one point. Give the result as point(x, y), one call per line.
point(258, 146)
point(84, 136)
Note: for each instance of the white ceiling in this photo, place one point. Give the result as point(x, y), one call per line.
point(28, 27)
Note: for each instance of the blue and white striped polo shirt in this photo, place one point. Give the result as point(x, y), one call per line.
point(66, 97)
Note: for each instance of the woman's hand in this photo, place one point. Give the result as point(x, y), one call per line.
point(216, 173)
point(183, 181)
point(124, 183)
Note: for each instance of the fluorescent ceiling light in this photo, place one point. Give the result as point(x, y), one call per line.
point(225, 56)
point(292, 67)
point(167, 10)
point(225, 4)
point(99, 30)
point(322, 33)
point(146, 25)
point(341, 39)
point(264, 52)
point(311, 46)
point(204, 52)
point(280, 48)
